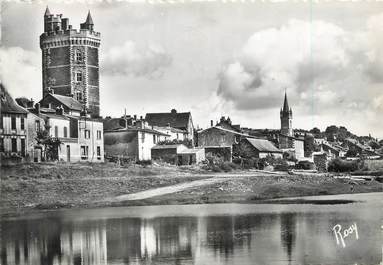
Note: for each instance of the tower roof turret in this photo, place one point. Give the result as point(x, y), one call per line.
point(89, 19)
point(47, 12)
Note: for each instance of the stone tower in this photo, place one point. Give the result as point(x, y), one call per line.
point(286, 115)
point(70, 60)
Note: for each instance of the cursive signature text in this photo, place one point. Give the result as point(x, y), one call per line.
point(340, 235)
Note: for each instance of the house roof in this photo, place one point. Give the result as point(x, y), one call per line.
point(53, 116)
point(333, 147)
point(263, 145)
point(292, 137)
point(225, 130)
point(175, 119)
point(190, 151)
point(132, 129)
point(168, 146)
point(8, 104)
point(69, 102)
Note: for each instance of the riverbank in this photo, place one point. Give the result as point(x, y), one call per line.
point(33, 187)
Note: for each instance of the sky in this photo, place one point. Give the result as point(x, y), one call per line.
point(219, 58)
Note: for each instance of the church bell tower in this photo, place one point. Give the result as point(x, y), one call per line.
point(286, 115)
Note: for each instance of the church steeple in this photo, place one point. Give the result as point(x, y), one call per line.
point(286, 104)
point(286, 116)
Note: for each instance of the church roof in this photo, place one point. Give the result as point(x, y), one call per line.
point(8, 104)
point(286, 104)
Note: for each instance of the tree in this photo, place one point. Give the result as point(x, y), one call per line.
point(24, 102)
point(315, 130)
point(331, 129)
point(352, 153)
point(374, 145)
point(51, 145)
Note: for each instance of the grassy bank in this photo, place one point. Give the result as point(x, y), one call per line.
point(259, 189)
point(60, 185)
point(55, 185)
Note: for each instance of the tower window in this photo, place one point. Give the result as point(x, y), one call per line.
point(78, 56)
point(79, 95)
point(78, 77)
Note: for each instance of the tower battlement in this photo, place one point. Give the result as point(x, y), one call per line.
point(73, 32)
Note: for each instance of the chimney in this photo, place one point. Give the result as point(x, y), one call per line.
point(211, 123)
point(49, 105)
point(135, 117)
point(141, 118)
point(173, 111)
point(168, 125)
point(32, 103)
point(37, 107)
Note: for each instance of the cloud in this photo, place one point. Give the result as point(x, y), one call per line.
point(298, 56)
point(129, 59)
point(327, 70)
point(20, 71)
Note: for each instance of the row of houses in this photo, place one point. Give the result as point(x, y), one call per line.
point(168, 136)
point(25, 132)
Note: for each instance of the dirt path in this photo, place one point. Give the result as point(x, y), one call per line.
point(170, 189)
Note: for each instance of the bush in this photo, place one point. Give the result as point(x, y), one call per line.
point(144, 162)
point(307, 165)
point(278, 163)
point(217, 164)
point(339, 165)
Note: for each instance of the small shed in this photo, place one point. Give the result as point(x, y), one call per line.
point(167, 153)
point(191, 156)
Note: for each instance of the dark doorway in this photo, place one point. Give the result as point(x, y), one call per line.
point(68, 153)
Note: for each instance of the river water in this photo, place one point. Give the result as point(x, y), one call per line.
point(200, 234)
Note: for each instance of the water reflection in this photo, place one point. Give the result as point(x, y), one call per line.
point(254, 238)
